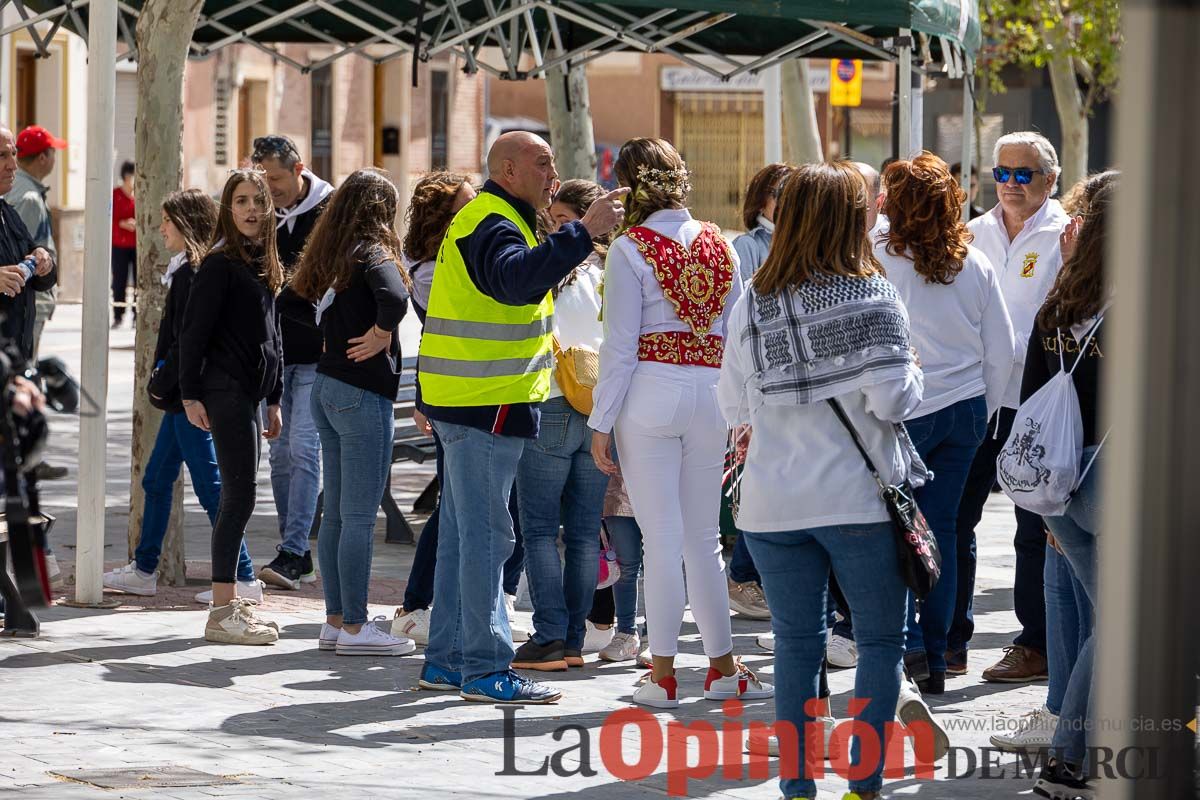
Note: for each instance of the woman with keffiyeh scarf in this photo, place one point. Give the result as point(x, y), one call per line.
point(820, 322)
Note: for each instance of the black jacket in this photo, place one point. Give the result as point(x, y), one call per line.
point(230, 324)
point(164, 382)
point(375, 296)
point(301, 342)
point(504, 267)
point(17, 314)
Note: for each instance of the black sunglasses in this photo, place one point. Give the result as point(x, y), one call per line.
point(1024, 175)
point(268, 146)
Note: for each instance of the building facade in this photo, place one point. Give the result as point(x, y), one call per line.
point(347, 115)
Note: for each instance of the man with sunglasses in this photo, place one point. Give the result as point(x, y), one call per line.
point(299, 197)
point(1021, 238)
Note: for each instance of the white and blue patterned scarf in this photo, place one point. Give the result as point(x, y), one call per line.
point(831, 336)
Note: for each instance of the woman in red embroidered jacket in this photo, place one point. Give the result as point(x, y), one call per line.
point(669, 282)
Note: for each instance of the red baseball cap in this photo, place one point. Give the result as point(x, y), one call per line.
point(36, 139)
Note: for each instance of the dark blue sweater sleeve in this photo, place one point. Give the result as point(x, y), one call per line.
point(509, 271)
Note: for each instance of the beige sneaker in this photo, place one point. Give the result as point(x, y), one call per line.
point(236, 623)
point(748, 600)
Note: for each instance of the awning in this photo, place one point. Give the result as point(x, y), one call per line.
point(517, 39)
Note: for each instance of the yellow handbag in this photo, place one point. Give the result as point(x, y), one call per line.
point(576, 369)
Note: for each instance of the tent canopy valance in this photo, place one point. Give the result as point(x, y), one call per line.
point(517, 39)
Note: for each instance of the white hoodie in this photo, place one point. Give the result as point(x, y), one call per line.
point(318, 190)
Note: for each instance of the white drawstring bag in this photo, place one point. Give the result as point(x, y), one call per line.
point(1039, 467)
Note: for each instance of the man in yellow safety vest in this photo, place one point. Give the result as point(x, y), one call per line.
point(484, 368)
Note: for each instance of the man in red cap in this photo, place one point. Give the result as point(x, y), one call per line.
point(36, 157)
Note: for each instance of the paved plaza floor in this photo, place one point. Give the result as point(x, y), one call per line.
point(137, 690)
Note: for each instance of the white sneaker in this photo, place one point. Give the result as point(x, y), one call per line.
point(664, 694)
point(237, 623)
point(372, 641)
point(623, 647)
point(328, 638)
point(520, 633)
point(754, 744)
point(766, 641)
point(246, 590)
point(841, 652)
point(412, 625)
point(910, 708)
point(742, 684)
point(131, 580)
point(53, 571)
point(1035, 732)
point(597, 638)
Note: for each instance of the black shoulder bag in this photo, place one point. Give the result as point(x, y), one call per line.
point(916, 549)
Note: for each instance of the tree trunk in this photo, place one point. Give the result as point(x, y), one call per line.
point(800, 114)
point(1072, 118)
point(570, 116)
point(164, 31)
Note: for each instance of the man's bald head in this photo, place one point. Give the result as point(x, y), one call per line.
point(523, 164)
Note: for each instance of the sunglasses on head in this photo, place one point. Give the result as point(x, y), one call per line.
point(1024, 175)
point(273, 146)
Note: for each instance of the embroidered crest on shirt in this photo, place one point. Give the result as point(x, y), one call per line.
point(1029, 264)
point(696, 280)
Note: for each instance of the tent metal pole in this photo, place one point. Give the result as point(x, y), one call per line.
point(773, 114)
point(904, 101)
point(968, 123)
point(93, 422)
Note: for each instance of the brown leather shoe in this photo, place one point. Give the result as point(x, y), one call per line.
point(1019, 665)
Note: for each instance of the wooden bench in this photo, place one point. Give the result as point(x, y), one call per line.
point(408, 444)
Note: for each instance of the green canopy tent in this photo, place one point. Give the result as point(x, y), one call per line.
point(738, 35)
point(512, 39)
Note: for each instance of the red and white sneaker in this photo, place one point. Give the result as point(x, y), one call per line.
point(664, 694)
point(743, 685)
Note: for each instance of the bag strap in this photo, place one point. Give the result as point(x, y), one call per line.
point(862, 451)
point(1083, 345)
point(604, 535)
point(1091, 461)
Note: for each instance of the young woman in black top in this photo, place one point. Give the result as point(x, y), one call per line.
point(351, 265)
point(188, 221)
point(1068, 327)
point(230, 360)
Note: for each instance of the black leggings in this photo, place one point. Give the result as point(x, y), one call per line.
point(237, 433)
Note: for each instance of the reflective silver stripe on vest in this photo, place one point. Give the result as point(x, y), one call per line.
point(493, 331)
point(496, 368)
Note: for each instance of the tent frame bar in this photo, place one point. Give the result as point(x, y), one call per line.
point(619, 30)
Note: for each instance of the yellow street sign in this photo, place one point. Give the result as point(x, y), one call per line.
point(845, 82)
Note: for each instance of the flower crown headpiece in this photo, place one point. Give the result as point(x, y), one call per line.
point(671, 181)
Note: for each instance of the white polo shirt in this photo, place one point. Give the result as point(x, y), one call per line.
point(1027, 267)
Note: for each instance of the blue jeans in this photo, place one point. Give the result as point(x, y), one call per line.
point(947, 441)
point(296, 460)
point(1068, 624)
point(741, 565)
point(180, 442)
point(557, 479)
point(1076, 533)
point(356, 429)
point(625, 537)
point(418, 593)
point(468, 626)
point(795, 569)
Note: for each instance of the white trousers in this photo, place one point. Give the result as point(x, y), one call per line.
point(671, 444)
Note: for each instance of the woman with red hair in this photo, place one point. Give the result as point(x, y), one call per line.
point(962, 333)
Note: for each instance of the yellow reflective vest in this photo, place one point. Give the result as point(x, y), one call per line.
point(477, 351)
